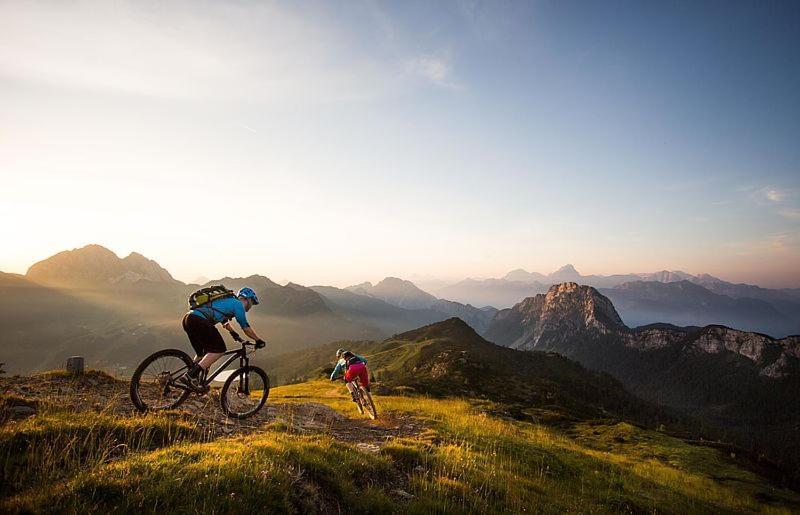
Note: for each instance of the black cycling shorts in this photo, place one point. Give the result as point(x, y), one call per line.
point(203, 336)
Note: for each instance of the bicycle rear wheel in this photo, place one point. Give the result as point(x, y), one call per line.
point(357, 395)
point(153, 383)
point(366, 399)
point(244, 392)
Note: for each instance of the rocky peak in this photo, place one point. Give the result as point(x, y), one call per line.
point(583, 305)
point(146, 269)
point(571, 319)
point(775, 358)
point(567, 310)
point(93, 266)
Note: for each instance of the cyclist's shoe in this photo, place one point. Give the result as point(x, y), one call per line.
point(193, 383)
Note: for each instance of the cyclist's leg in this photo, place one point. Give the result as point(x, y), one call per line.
point(206, 341)
point(214, 347)
point(363, 375)
point(195, 336)
point(348, 381)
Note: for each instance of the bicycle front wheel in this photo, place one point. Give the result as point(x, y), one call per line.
point(244, 392)
point(366, 399)
point(153, 383)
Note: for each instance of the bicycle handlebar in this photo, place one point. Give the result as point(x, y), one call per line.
point(245, 343)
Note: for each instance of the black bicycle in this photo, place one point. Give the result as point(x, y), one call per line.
point(155, 386)
point(364, 400)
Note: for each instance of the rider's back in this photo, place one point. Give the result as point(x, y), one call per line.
point(222, 310)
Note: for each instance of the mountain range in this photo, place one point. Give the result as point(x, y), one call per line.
point(115, 311)
point(119, 309)
point(667, 296)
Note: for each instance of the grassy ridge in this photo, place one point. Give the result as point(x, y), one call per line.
point(468, 460)
point(59, 444)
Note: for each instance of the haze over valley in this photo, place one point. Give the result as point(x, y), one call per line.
point(91, 301)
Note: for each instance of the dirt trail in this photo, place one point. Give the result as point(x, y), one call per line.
point(26, 395)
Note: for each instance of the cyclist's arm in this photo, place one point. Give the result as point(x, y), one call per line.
point(227, 326)
point(241, 318)
point(337, 370)
point(249, 332)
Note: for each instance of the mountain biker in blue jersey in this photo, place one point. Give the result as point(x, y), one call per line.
point(199, 324)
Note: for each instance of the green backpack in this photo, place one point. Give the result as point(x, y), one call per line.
point(206, 295)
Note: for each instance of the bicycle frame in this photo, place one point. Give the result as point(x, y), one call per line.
point(243, 362)
point(208, 378)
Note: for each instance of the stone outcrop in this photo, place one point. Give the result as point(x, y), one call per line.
point(570, 314)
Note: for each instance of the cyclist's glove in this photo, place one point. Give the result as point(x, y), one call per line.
point(235, 336)
point(260, 344)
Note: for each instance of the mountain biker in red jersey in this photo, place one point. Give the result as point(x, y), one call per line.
point(354, 366)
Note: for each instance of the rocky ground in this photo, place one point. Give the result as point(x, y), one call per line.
point(25, 396)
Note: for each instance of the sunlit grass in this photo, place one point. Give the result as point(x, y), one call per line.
point(481, 462)
point(463, 460)
point(59, 444)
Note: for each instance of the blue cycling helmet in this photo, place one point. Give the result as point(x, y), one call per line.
point(248, 293)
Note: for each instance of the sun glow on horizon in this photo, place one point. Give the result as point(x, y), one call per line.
point(334, 145)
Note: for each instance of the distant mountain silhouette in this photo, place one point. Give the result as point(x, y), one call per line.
point(114, 311)
point(423, 307)
point(737, 305)
point(276, 300)
point(687, 303)
point(398, 292)
point(96, 266)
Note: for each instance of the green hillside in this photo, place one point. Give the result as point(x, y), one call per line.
point(449, 358)
point(457, 456)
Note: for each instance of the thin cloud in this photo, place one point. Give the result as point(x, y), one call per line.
point(779, 201)
point(774, 195)
point(768, 245)
point(186, 51)
point(436, 69)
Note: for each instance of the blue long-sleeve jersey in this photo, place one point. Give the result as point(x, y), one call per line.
point(342, 363)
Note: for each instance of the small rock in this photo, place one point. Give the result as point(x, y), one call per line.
point(402, 494)
point(369, 447)
point(23, 411)
point(75, 365)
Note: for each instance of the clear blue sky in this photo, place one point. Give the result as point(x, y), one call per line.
point(420, 139)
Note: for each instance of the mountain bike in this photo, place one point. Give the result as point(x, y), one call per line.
point(155, 387)
point(364, 400)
